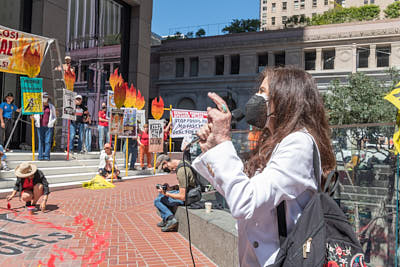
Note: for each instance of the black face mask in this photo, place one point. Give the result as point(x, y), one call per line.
point(256, 111)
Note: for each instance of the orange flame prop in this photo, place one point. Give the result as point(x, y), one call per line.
point(115, 79)
point(130, 99)
point(32, 62)
point(139, 100)
point(157, 108)
point(120, 94)
point(69, 77)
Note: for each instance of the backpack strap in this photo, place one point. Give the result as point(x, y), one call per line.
point(281, 208)
point(187, 164)
point(330, 187)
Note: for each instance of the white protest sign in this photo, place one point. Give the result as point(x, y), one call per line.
point(130, 129)
point(187, 122)
point(141, 118)
point(156, 135)
point(69, 105)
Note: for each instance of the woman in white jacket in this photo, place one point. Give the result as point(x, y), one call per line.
point(45, 127)
point(290, 112)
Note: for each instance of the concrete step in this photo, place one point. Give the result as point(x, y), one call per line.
point(63, 163)
point(24, 156)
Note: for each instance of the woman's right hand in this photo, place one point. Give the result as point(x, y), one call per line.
point(10, 197)
point(3, 125)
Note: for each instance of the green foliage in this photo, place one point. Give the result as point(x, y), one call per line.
point(342, 15)
point(200, 33)
point(243, 25)
point(360, 100)
point(392, 11)
point(296, 20)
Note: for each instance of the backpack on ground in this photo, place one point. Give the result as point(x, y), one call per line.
point(322, 235)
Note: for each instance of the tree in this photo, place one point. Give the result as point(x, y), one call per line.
point(189, 35)
point(200, 33)
point(392, 11)
point(243, 25)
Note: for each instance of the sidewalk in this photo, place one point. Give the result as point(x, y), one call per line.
point(62, 237)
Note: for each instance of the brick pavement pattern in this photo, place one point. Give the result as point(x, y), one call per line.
point(127, 212)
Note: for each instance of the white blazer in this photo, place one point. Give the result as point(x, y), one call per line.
point(289, 175)
point(52, 118)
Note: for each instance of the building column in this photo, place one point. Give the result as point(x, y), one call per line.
point(271, 59)
point(354, 57)
point(372, 56)
point(79, 71)
point(394, 58)
point(186, 61)
point(318, 59)
point(227, 64)
point(84, 23)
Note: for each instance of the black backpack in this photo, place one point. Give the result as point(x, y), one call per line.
point(193, 194)
point(322, 235)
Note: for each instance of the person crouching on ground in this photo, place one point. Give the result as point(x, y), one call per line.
point(32, 184)
point(105, 165)
point(170, 198)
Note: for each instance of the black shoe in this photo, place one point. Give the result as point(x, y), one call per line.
point(132, 169)
point(170, 226)
point(28, 204)
point(162, 223)
point(119, 177)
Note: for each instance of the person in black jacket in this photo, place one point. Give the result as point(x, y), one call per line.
point(32, 184)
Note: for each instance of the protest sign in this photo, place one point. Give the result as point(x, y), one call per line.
point(141, 118)
point(69, 105)
point(117, 122)
point(156, 134)
point(130, 129)
point(110, 102)
point(20, 52)
point(32, 93)
point(187, 122)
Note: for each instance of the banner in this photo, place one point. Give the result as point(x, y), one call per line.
point(156, 135)
point(394, 96)
point(141, 118)
point(31, 95)
point(20, 52)
point(187, 122)
point(117, 122)
point(130, 129)
point(69, 105)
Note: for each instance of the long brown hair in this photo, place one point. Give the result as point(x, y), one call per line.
point(298, 105)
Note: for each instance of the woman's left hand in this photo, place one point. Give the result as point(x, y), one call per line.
point(43, 206)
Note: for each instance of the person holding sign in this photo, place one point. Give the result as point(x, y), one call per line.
point(7, 109)
point(144, 147)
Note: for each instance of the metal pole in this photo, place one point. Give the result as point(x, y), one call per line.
point(126, 157)
point(115, 151)
point(12, 132)
point(68, 138)
point(33, 138)
point(397, 212)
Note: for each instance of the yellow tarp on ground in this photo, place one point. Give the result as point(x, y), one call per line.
point(98, 182)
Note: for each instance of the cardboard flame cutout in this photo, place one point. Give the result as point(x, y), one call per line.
point(32, 61)
point(69, 77)
point(115, 79)
point(120, 93)
point(157, 108)
point(139, 100)
point(130, 99)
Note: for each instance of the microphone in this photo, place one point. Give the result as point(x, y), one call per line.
point(237, 115)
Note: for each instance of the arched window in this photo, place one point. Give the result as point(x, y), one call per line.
point(186, 103)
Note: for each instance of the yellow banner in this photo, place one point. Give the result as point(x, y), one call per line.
point(20, 52)
point(394, 96)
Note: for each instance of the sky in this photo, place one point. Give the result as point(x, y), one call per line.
point(170, 16)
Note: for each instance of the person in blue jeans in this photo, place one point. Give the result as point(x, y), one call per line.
point(171, 197)
point(7, 109)
point(3, 157)
point(45, 127)
point(132, 152)
point(88, 133)
point(78, 125)
point(103, 126)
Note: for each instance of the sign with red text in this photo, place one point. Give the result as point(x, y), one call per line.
point(20, 52)
point(156, 135)
point(187, 122)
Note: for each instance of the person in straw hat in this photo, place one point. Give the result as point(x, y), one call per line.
point(32, 184)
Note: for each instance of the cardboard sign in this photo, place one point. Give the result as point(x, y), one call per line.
point(187, 122)
point(31, 95)
point(130, 124)
point(141, 118)
point(110, 102)
point(20, 52)
point(69, 105)
point(117, 122)
point(156, 135)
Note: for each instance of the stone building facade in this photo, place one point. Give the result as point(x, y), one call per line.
point(184, 71)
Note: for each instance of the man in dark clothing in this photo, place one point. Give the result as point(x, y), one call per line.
point(32, 184)
point(81, 113)
point(171, 197)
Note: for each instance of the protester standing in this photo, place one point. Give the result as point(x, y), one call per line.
point(78, 124)
point(88, 132)
point(103, 126)
point(7, 109)
point(143, 142)
point(132, 152)
point(45, 127)
point(290, 112)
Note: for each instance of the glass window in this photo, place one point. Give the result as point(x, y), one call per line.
point(84, 72)
point(264, 8)
point(302, 4)
point(382, 56)
point(284, 18)
point(313, 14)
point(314, 3)
point(296, 4)
point(180, 67)
point(194, 66)
point(328, 57)
point(273, 20)
point(362, 57)
point(365, 2)
point(273, 7)
point(280, 59)
point(264, 2)
point(219, 65)
point(235, 64)
point(284, 5)
point(262, 61)
point(309, 60)
point(326, 2)
point(372, 2)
